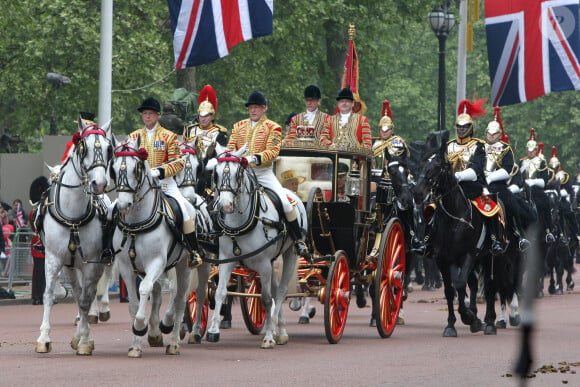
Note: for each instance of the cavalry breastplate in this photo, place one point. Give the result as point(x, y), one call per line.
point(461, 155)
point(493, 156)
point(562, 177)
point(395, 145)
point(531, 167)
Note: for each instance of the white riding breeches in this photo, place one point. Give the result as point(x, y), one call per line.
point(169, 187)
point(267, 179)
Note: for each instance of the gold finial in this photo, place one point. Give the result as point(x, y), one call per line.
point(351, 30)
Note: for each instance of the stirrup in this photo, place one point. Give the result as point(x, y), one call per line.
point(498, 247)
point(524, 244)
point(194, 260)
point(550, 238)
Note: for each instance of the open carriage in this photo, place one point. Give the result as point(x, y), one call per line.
point(354, 235)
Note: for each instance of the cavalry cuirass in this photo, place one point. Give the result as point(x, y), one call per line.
point(461, 155)
point(494, 154)
point(208, 135)
point(562, 177)
point(531, 167)
point(396, 147)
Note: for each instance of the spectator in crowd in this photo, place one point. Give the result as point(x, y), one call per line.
point(17, 215)
point(8, 234)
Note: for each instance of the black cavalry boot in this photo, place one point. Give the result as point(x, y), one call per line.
point(498, 245)
point(191, 242)
point(296, 235)
point(108, 255)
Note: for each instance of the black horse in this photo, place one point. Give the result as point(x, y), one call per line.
point(458, 235)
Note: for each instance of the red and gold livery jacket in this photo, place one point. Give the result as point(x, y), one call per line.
point(163, 150)
point(263, 140)
point(300, 120)
point(356, 130)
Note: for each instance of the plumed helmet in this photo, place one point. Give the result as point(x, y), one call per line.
point(312, 91)
point(554, 163)
point(496, 126)
point(541, 150)
point(386, 121)
point(532, 144)
point(256, 98)
point(345, 93)
point(467, 111)
point(207, 101)
point(150, 103)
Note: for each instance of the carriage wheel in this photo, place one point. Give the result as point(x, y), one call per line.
point(192, 312)
point(252, 309)
point(390, 278)
point(336, 298)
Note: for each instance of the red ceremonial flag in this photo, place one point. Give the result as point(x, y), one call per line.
point(350, 76)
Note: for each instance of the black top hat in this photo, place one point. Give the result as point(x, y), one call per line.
point(345, 94)
point(312, 91)
point(87, 116)
point(150, 103)
point(256, 98)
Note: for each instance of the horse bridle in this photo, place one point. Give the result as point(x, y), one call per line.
point(122, 181)
point(189, 179)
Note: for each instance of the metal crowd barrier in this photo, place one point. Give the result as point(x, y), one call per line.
point(18, 268)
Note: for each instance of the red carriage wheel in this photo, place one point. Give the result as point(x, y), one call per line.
point(252, 309)
point(192, 311)
point(336, 298)
point(390, 278)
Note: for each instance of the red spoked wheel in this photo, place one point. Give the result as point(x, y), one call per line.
point(252, 309)
point(336, 298)
point(192, 311)
point(390, 278)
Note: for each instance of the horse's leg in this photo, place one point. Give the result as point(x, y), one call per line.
point(490, 278)
point(104, 307)
point(265, 269)
point(90, 275)
point(154, 272)
point(52, 268)
point(94, 310)
point(182, 278)
point(514, 311)
point(203, 272)
point(449, 291)
point(459, 279)
point(288, 270)
point(130, 279)
point(213, 332)
point(473, 284)
point(166, 324)
point(154, 337)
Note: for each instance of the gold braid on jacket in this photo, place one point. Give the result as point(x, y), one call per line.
point(264, 139)
point(163, 150)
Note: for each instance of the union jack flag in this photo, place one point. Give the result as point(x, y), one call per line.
point(206, 30)
point(533, 48)
point(19, 218)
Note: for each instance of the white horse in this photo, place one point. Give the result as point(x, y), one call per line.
point(253, 231)
point(187, 181)
point(71, 228)
point(147, 241)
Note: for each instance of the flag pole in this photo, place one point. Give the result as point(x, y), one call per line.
point(461, 53)
point(106, 60)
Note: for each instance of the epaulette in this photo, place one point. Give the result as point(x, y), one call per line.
point(221, 128)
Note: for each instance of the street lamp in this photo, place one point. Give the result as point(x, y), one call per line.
point(57, 81)
point(441, 22)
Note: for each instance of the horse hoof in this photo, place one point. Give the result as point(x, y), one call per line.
point(476, 326)
point(43, 347)
point(449, 332)
point(225, 324)
point(282, 340)
point(570, 286)
point(552, 289)
point(559, 291)
point(515, 320)
point(540, 294)
point(167, 329)
point(172, 349)
point(74, 343)
point(77, 321)
point(141, 332)
point(104, 316)
point(490, 329)
point(93, 319)
point(400, 321)
point(303, 320)
point(135, 352)
point(268, 344)
point(312, 312)
point(155, 341)
point(182, 332)
point(213, 337)
point(85, 350)
point(373, 322)
point(294, 304)
point(361, 301)
point(500, 324)
point(194, 338)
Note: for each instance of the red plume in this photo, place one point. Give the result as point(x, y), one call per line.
point(497, 116)
point(532, 134)
point(208, 93)
point(474, 109)
point(540, 149)
point(554, 152)
point(387, 109)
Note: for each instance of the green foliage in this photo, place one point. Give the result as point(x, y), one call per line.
point(398, 61)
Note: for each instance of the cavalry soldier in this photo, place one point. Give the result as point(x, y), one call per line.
point(467, 155)
point(164, 158)
point(388, 141)
point(309, 124)
point(346, 129)
point(499, 168)
point(535, 174)
point(206, 128)
point(562, 184)
point(263, 139)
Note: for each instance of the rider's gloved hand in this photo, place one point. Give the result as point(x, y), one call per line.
point(155, 172)
point(255, 159)
point(467, 175)
point(515, 189)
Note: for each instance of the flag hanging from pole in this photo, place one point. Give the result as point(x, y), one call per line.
point(350, 76)
point(533, 48)
point(206, 30)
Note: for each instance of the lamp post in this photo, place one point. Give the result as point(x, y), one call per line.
point(441, 22)
point(57, 81)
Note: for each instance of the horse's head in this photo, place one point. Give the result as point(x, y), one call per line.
point(399, 175)
point(230, 179)
point(193, 171)
point(130, 171)
point(434, 167)
point(93, 150)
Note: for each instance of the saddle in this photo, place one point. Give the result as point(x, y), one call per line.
point(173, 213)
point(277, 202)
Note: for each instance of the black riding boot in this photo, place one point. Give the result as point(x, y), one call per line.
point(191, 243)
point(498, 246)
point(108, 255)
point(296, 235)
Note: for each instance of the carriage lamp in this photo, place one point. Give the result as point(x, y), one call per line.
point(353, 183)
point(441, 22)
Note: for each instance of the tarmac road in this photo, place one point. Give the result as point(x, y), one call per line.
point(416, 354)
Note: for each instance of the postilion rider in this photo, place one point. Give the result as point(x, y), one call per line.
point(263, 138)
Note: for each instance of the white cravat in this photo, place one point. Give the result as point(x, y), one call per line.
point(310, 116)
point(150, 132)
point(254, 123)
point(344, 119)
